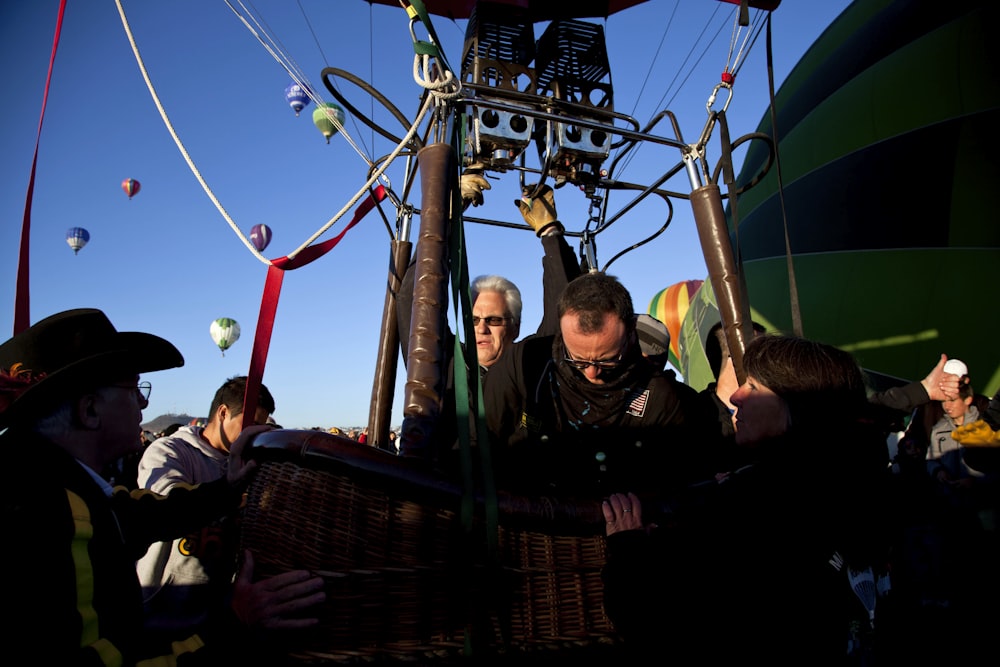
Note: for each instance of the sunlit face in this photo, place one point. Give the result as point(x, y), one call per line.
point(606, 345)
point(760, 413)
point(956, 408)
point(492, 340)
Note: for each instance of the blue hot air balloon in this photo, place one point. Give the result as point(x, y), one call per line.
point(260, 236)
point(77, 237)
point(297, 97)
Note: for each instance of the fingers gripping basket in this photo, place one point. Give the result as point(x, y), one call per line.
point(404, 578)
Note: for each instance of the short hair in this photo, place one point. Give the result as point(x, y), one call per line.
point(592, 296)
point(817, 381)
point(717, 347)
point(232, 393)
point(965, 390)
point(511, 294)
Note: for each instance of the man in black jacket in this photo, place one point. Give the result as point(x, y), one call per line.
point(582, 412)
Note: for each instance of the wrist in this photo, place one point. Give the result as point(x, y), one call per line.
point(550, 228)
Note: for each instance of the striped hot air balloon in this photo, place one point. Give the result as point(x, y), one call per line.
point(890, 209)
point(131, 187)
point(670, 305)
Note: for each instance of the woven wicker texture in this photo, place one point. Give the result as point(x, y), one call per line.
point(404, 580)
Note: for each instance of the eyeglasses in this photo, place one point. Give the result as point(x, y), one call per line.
point(144, 388)
point(492, 320)
point(601, 364)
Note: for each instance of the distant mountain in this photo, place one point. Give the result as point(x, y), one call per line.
point(163, 421)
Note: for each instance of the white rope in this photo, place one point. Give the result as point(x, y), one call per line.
point(180, 145)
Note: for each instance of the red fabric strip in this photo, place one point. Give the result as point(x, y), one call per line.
point(22, 300)
point(269, 302)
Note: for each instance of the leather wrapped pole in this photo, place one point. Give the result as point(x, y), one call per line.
point(426, 356)
point(734, 306)
point(380, 413)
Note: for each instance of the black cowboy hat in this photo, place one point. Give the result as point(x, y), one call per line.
point(73, 349)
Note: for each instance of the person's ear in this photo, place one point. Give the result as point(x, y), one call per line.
point(87, 410)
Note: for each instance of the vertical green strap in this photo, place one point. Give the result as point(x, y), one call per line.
point(465, 376)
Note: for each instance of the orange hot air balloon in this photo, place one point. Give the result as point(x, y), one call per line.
point(130, 186)
point(670, 305)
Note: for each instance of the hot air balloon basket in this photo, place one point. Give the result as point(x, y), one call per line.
point(405, 581)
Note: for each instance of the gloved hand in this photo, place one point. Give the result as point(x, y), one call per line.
point(472, 184)
point(977, 433)
point(540, 212)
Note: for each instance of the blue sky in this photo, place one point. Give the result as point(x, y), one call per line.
point(167, 260)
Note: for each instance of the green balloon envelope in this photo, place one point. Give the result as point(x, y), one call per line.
point(888, 148)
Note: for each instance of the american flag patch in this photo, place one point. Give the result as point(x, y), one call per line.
point(637, 407)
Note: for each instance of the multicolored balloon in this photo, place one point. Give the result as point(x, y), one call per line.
point(77, 237)
point(225, 331)
point(670, 305)
point(260, 236)
point(329, 118)
point(297, 97)
point(131, 187)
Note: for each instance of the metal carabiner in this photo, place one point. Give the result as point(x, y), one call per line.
point(715, 93)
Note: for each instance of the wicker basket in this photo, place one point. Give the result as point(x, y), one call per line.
point(405, 580)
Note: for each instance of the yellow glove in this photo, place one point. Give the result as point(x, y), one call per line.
point(976, 434)
point(472, 185)
point(540, 212)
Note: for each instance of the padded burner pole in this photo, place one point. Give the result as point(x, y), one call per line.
point(426, 356)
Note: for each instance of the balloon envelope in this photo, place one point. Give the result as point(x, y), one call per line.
point(77, 237)
point(225, 331)
point(670, 305)
point(130, 186)
point(328, 118)
point(297, 97)
point(860, 231)
point(260, 236)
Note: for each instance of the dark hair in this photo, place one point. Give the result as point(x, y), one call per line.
point(232, 393)
point(591, 296)
point(965, 389)
point(717, 347)
point(819, 382)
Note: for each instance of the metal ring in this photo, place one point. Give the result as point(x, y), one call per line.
point(628, 510)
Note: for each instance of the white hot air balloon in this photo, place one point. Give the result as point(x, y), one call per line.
point(225, 331)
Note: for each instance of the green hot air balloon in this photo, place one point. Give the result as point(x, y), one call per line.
point(329, 118)
point(225, 331)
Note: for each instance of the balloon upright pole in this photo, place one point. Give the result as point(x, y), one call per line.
point(734, 307)
point(380, 417)
point(426, 372)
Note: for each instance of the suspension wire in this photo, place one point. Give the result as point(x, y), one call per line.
point(299, 78)
point(690, 71)
point(652, 60)
point(326, 63)
point(430, 102)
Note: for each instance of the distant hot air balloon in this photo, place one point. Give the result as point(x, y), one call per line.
point(329, 118)
point(130, 186)
point(77, 237)
point(670, 305)
point(260, 236)
point(297, 97)
point(225, 331)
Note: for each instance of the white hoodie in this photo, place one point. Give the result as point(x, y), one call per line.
point(185, 580)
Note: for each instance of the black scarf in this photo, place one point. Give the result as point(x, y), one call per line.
point(581, 405)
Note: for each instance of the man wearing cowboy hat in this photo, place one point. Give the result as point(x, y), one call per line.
point(70, 403)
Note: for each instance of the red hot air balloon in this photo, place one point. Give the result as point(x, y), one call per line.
point(260, 236)
point(130, 186)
